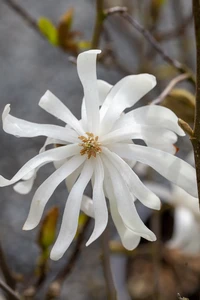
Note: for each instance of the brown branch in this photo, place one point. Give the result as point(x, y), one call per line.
point(56, 286)
point(98, 27)
point(23, 14)
point(6, 271)
point(196, 136)
point(175, 32)
point(111, 291)
point(169, 87)
point(181, 68)
point(156, 252)
point(12, 295)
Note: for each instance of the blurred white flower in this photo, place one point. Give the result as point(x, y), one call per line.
point(99, 148)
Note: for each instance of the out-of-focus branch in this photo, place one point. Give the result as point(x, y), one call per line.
point(196, 132)
point(15, 6)
point(5, 270)
point(156, 252)
point(111, 291)
point(169, 87)
point(56, 286)
point(181, 68)
point(98, 27)
point(11, 294)
point(175, 32)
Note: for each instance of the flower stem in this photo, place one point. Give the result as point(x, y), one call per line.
point(98, 24)
point(111, 291)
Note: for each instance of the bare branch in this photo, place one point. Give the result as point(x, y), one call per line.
point(5, 270)
point(9, 291)
point(55, 287)
point(181, 68)
point(23, 14)
point(169, 87)
point(111, 291)
point(196, 137)
point(98, 27)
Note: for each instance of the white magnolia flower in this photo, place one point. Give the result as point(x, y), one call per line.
point(99, 148)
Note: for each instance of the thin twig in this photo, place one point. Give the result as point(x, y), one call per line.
point(5, 270)
point(175, 32)
point(169, 87)
point(111, 291)
point(9, 291)
point(181, 68)
point(98, 27)
point(14, 5)
point(196, 136)
point(55, 287)
point(156, 252)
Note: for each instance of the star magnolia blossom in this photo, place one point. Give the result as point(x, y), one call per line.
point(99, 148)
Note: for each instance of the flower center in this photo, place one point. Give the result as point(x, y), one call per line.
point(90, 145)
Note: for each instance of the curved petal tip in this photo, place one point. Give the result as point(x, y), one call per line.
point(6, 111)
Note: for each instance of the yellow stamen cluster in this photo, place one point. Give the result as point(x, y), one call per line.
point(90, 145)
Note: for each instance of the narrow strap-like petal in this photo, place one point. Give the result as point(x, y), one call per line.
point(54, 106)
point(171, 167)
point(47, 188)
point(87, 206)
point(186, 232)
point(153, 115)
point(86, 67)
point(103, 88)
point(41, 159)
point(123, 95)
point(22, 128)
point(144, 132)
point(125, 203)
point(99, 202)
point(71, 213)
point(129, 238)
point(24, 187)
point(135, 185)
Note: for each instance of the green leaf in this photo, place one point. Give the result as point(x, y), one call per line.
point(49, 30)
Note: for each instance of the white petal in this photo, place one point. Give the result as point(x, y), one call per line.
point(41, 159)
point(125, 203)
point(167, 146)
point(86, 67)
point(173, 168)
point(145, 132)
point(24, 187)
point(99, 202)
point(136, 187)
point(71, 213)
point(129, 239)
point(54, 106)
point(47, 188)
point(186, 232)
point(151, 115)
point(87, 206)
point(22, 128)
point(103, 88)
point(123, 95)
point(71, 179)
